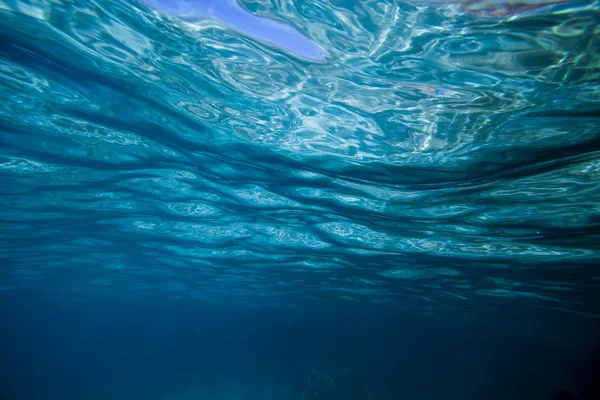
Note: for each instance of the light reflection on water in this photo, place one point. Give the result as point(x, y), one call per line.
point(302, 154)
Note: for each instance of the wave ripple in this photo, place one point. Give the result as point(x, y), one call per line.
point(434, 159)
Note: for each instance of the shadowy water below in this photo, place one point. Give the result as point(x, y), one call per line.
point(57, 350)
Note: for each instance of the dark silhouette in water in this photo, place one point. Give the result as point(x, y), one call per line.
point(586, 379)
point(563, 395)
point(345, 381)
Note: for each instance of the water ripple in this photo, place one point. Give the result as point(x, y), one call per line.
point(405, 154)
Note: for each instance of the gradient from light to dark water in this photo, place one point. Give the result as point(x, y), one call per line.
point(205, 200)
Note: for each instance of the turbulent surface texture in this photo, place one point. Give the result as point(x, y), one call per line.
point(440, 157)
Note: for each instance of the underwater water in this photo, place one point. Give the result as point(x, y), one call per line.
point(299, 200)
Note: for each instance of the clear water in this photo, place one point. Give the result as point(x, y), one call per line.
point(205, 201)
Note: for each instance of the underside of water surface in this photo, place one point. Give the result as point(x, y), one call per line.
point(299, 200)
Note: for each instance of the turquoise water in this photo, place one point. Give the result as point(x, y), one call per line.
point(427, 160)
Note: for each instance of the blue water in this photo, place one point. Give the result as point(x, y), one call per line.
point(299, 200)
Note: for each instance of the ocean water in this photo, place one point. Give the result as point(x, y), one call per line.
point(299, 200)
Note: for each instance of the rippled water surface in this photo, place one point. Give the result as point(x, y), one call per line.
point(439, 158)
